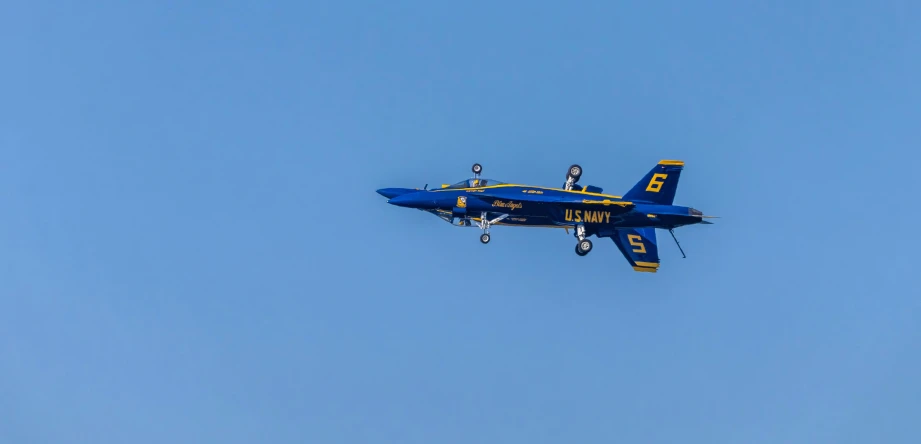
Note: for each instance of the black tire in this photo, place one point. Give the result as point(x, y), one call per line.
point(580, 252)
point(584, 246)
point(484, 238)
point(477, 168)
point(575, 171)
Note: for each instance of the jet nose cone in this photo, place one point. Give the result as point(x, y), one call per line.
point(390, 193)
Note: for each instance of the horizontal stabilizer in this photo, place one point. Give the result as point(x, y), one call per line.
point(639, 247)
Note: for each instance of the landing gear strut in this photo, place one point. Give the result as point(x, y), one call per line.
point(584, 246)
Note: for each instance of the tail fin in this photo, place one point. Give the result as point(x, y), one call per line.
point(659, 185)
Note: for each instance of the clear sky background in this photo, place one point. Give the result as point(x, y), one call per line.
point(191, 248)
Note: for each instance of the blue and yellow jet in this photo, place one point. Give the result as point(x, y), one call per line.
point(630, 221)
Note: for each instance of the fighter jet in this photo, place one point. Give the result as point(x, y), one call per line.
point(630, 220)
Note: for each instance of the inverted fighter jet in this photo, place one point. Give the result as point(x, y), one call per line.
point(629, 220)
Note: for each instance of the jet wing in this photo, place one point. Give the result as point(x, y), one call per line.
point(638, 245)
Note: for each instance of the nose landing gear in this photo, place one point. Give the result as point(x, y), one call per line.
point(486, 223)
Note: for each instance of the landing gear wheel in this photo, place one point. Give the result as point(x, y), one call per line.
point(584, 246)
point(477, 168)
point(484, 238)
point(575, 172)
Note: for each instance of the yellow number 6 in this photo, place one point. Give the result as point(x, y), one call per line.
point(637, 241)
point(656, 183)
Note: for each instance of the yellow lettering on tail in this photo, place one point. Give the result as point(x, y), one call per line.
point(655, 184)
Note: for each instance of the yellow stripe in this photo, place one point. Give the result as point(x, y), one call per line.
point(651, 216)
point(644, 270)
point(605, 202)
point(647, 264)
point(508, 185)
point(671, 162)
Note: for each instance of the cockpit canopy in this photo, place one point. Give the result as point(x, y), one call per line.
point(473, 183)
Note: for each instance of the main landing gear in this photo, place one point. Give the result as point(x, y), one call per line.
point(572, 176)
point(584, 246)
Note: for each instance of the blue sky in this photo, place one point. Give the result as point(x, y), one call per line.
point(191, 248)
